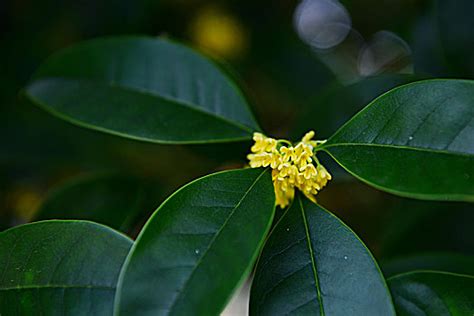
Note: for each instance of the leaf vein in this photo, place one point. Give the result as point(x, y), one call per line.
point(313, 261)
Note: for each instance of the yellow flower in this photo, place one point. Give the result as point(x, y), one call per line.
point(293, 167)
point(261, 160)
point(307, 137)
point(289, 171)
point(260, 143)
point(309, 171)
point(303, 154)
point(275, 161)
point(284, 193)
point(288, 153)
point(263, 144)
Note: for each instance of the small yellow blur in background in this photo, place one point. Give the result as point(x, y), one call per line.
point(217, 32)
point(24, 201)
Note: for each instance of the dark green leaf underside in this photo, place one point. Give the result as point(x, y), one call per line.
point(198, 246)
point(60, 267)
point(416, 141)
point(314, 264)
point(440, 261)
point(431, 293)
point(110, 199)
point(143, 88)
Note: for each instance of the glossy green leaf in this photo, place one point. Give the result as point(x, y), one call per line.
point(143, 88)
point(198, 246)
point(110, 199)
point(415, 141)
point(313, 264)
point(440, 261)
point(432, 293)
point(60, 268)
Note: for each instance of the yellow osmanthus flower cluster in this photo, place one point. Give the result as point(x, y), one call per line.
point(293, 166)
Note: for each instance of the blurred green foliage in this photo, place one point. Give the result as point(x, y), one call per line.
point(290, 88)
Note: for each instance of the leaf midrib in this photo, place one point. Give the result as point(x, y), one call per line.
point(183, 288)
point(148, 93)
point(313, 261)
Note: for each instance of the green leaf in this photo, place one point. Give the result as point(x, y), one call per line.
point(313, 264)
point(416, 226)
point(441, 261)
point(60, 268)
point(432, 293)
point(143, 88)
point(414, 141)
point(110, 199)
point(198, 246)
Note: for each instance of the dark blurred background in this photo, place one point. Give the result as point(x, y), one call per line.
point(303, 65)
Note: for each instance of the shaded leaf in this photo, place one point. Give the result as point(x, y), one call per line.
point(313, 264)
point(142, 88)
point(448, 262)
point(60, 267)
point(198, 246)
point(110, 199)
point(414, 141)
point(428, 226)
point(430, 293)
